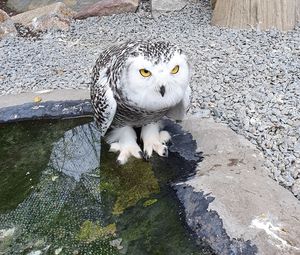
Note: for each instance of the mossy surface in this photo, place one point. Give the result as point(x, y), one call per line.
point(128, 183)
point(90, 231)
point(80, 227)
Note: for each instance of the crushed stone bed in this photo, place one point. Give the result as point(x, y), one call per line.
point(247, 79)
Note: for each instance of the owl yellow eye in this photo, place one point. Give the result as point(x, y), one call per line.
point(175, 69)
point(145, 72)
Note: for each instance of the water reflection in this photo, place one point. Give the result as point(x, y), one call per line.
point(77, 152)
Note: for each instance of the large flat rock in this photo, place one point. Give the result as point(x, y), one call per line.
point(249, 205)
point(163, 7)
point(168, 5)
point(53, 16)
point(108, 7)
point(26, 5)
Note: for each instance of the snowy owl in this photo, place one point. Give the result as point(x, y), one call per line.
point(136, 84)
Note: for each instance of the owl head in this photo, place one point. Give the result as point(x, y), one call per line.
point(155, 75)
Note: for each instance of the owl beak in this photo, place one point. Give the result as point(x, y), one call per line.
point(162, 90)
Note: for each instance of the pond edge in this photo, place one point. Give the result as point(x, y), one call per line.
point(68, 103)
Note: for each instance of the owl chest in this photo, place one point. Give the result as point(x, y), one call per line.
point(135, 117)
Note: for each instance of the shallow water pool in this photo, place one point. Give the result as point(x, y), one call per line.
point(56, 197)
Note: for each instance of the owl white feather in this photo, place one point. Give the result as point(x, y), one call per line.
point(136, 84)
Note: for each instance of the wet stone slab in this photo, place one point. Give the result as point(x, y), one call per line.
point(232, 190)
point(46, 110)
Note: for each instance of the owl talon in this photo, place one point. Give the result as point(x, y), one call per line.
point(155, 140)
point(165, 153)
point(161, 150)
point(142, 155)
point(146, 156)
point(119, 162)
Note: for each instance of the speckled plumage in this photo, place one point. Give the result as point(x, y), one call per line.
point(107, 87)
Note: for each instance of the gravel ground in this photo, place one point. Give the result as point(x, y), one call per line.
point(247, 79)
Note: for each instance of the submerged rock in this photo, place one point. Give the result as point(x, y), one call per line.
point(55, 16)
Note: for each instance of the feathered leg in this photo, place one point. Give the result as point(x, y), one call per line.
point(154, 140)
point(124, 140)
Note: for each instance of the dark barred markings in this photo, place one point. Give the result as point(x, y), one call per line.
point(110, 65)
point(100, 107)
point(154, 51)
point(135, 117)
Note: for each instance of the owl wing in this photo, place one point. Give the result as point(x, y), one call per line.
point(103, 100)
point(178, 111)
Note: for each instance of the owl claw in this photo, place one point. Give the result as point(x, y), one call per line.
point(161, 150)
point(142, 154)
point(119, 162)
point(146, 156)
point(123, 140)
point(165, 152)
point(155, 140)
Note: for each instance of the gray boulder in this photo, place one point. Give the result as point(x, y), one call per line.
point(108, 7)
point(55, 16)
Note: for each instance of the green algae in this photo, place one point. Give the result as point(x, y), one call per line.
point(90, 231)
point(150, 202)
point(128, 183)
